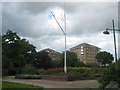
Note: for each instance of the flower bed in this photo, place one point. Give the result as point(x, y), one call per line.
point(73, 73)
point(28, 76)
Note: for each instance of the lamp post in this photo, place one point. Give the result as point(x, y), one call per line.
point(113, 29)
point(64, 32)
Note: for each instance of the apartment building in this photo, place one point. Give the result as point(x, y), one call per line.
point(85, 52)
point(54, 55)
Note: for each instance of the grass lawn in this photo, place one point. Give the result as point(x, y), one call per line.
point(6, 84)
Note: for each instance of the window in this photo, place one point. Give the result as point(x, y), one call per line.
point(48, 51)
point(82, 47)
point(82, 52)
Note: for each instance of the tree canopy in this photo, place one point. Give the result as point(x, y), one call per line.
point(111, 76)
point(104, 58)
point(42, 60)
point(16, 52)
point(71, 59)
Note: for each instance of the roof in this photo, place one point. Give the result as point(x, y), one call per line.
point(51, 50)
point(84, 45)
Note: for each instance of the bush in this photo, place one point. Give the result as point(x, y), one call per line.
point(110, 74)
point(55, 71)
point(41, 72)
point(112, 84)
point(80, 64)
point(4, 72)
point(73, 71)
point(56, 63)
point(12, 70)
point(80, 71)
point(98, 71)
point(28, 69)
point(92, 65)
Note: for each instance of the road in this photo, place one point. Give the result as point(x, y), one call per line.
point(55, 84)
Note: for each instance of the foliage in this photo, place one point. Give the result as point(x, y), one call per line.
point(56, 64)
point(28, 69)
point(51, 71)
point(55, 71)
point(112, 84)
point(16, 52)
point(73, 71)
point(12, 70)
point(104, 58)
point(98, 71)
point(92, 65)
point(71, 59)
point(42, 60)
point(80, 64)
point(6, 84)
point(111, 74)
point(41, 71)
point(81, 71)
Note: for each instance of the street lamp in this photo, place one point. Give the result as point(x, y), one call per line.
point(113, 29)
point(106, 32)
point(64, 33)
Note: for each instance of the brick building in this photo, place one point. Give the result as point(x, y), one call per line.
point(85, 52)
point(54, 55)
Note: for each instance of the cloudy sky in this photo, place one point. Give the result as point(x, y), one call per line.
point(85, 22)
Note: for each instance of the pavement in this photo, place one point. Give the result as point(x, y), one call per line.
point(55, 84)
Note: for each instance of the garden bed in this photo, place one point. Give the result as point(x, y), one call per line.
point(55, 78)
point(67, 78)
point(28, 76)
point(73, 73)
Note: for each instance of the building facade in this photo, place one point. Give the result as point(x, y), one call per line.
point(85, 52)
point(54, 55)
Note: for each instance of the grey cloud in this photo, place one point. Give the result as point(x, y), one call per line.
point(83, 19)
point(37, 7)
point(25, 23)
point(40, 7)
point(95, 19)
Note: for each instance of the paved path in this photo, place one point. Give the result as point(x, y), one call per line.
point(55, 84)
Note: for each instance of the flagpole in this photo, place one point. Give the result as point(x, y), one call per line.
point(65, 66)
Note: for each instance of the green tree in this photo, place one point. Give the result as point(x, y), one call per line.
point(43, 60)
point(71, 59)
point(56, 63)
point(16, 52)
point(104, 58)
point(111, 76)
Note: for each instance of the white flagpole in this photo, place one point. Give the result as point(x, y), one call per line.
point(65, 66)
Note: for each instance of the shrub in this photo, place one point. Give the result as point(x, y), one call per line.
point(41, 71)
point(12, 70)
point(112, 84)
point(73, 71)
point(80, 64)
point(80, 71)
point(54, 71)
point(92, 65)
point(28, 69)
point(56, 63)
point(4, 72)
point(110, 74)
point(98, 71)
